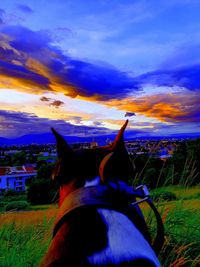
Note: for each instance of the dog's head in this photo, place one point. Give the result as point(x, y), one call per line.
point(109, 162)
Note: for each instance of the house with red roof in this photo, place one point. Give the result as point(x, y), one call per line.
point(15, 177)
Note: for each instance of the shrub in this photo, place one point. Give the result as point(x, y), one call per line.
point(163, 195)
point(17, 205)
point(41, 191)
point(3, 204)
point(18, 197)
point(10, 192)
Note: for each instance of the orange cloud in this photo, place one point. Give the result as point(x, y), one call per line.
point(164, 107)
point(36, 66)
point(30, 59)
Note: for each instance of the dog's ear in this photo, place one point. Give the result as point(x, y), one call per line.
point(119, 144)
point(63, 149)
point(116, 164)
point(65, 155)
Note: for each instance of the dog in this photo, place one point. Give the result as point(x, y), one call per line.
point(91, 230)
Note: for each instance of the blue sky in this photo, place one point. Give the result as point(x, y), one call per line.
point(96, 61)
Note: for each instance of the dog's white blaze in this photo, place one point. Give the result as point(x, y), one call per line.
point(125, 242)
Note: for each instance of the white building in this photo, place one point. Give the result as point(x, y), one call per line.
point(15, 177)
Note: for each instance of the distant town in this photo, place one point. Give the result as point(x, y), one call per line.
point(19, 163)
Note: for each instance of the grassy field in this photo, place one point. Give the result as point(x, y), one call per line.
point(25, 236)
point(181, 220)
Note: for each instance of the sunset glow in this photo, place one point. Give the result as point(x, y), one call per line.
point(94, 64)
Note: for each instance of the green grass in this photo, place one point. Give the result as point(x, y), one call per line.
point(184, 192)
point(181, 220)
point(25, 236)
point(22, 247)
point(182, 233)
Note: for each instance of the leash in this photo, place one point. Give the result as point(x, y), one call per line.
point(114, 196)
point(143, 194)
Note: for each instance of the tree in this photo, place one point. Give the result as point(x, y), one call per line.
point(31, 158)
point(6, 161)
point(42, 190)
point(19, 159)
point(45, 171)
point(184, 166)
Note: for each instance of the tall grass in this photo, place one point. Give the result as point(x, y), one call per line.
point(182, 237)
point(24, 237)
point(181, 220)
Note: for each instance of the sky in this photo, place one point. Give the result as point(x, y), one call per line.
point(85, 66)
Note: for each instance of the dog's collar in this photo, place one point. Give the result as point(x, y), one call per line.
point(116, 196)
point(100, 196)
point(119, 197)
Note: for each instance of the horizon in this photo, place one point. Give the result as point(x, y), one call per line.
point(85, 67)
point(48, 138)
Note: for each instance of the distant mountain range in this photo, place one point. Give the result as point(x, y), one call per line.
point(48, 138)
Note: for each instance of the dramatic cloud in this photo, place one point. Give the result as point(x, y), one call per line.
point(53, 102)
point(18, 124)
point(13, 75)
point(101, 82)
point(30, 61)
point(186, 77)
point(15, 124)
point(167, 107)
